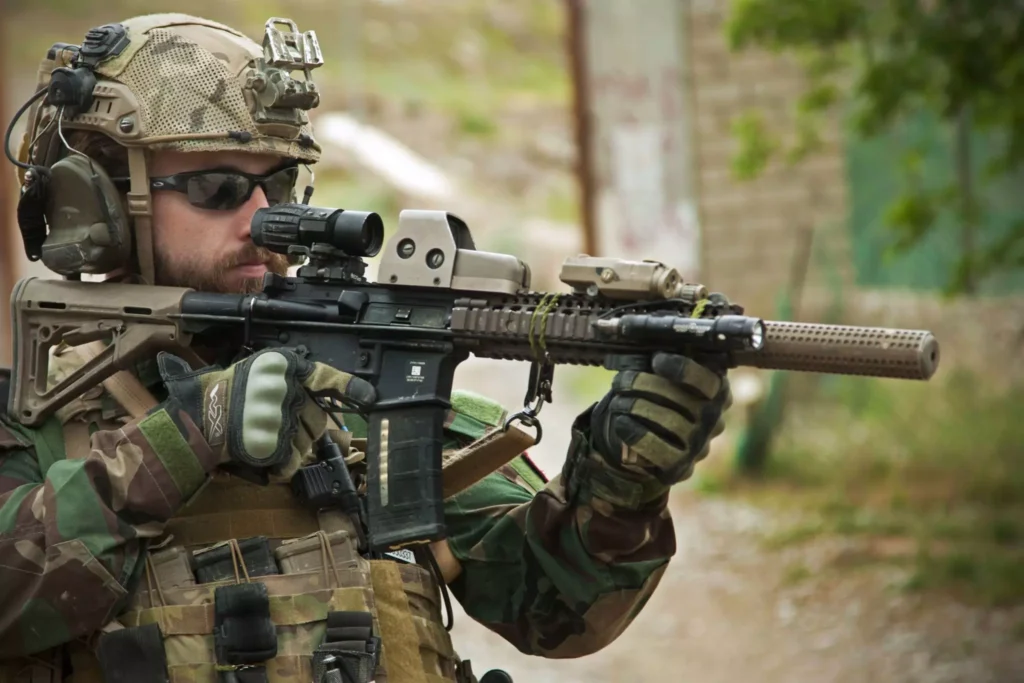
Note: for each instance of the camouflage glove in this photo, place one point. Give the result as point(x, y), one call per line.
point(257, 411)
point(660, 424)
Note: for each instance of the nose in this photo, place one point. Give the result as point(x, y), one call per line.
point(258, 200)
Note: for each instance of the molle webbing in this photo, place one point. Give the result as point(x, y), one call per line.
point(233, 508)
point(402, 598)
point(299, 618)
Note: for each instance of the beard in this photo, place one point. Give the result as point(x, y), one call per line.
point(219, 278)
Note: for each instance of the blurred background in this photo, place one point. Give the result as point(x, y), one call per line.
point(851, 161)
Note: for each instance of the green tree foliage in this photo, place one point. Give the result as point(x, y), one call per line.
point(883, 61)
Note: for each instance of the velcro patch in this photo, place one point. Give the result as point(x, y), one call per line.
point(529, 472)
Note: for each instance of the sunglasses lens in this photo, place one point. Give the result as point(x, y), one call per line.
point(280, 187)
point(219, 191)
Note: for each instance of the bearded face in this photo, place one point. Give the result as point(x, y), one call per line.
point(210, 250)
point(234, 273)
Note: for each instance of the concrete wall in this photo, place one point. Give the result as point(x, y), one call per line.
point(751, 230)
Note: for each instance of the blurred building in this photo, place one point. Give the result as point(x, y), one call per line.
point(669, 69)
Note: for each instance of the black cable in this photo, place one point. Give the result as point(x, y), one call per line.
point(362, 519)
point(10, 129)
point(328, 408)
point(661, 305)
point(432, 561)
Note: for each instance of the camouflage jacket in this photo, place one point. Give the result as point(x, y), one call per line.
point(559, 568)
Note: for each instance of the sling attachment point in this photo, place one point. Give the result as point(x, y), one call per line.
point(542, 378)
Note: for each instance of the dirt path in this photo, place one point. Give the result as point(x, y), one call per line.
point(725, 612)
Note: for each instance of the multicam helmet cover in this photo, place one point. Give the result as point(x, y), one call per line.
point(191, 84)
point(178, 82)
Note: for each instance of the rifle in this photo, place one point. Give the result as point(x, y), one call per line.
point(437, 300)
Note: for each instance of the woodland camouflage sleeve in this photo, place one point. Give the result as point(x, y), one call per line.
point(72, 531)
point(563, 571)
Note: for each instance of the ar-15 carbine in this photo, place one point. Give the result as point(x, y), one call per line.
point(437, 300)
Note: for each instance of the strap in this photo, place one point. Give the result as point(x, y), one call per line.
point(470, 464)
point(467, 466)
point(123, 386)
point(77, 444)
point(461, 470)
point(140, 208)
point(471, 415)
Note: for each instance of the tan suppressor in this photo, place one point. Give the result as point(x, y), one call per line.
point(845, 350)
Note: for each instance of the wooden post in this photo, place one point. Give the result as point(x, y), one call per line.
point(10, 241)
point(576, 41)
point(633, 116)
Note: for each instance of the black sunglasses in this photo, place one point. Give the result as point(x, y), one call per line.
point(227, 189)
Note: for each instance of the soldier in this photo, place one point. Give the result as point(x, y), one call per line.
point(128, 549)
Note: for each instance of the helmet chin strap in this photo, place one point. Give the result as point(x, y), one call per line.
point(140, 208)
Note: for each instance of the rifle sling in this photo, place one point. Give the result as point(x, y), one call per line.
point(470, 464)
point(123, 387)
point(461, 469)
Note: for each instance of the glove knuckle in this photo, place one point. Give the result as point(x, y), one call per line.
point(628, 430)
point(669, 365)
point(270, 364)
point(624, 381)
point(621, 404)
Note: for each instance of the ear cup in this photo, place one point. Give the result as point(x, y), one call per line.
point(89, 230)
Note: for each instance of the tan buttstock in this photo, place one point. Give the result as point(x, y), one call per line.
point(135, 322)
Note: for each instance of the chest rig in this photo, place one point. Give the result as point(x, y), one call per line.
point(249, 585)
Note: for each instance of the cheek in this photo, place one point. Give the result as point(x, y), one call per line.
point(182, 231)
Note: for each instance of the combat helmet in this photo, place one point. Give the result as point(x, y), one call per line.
point(159, 81)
